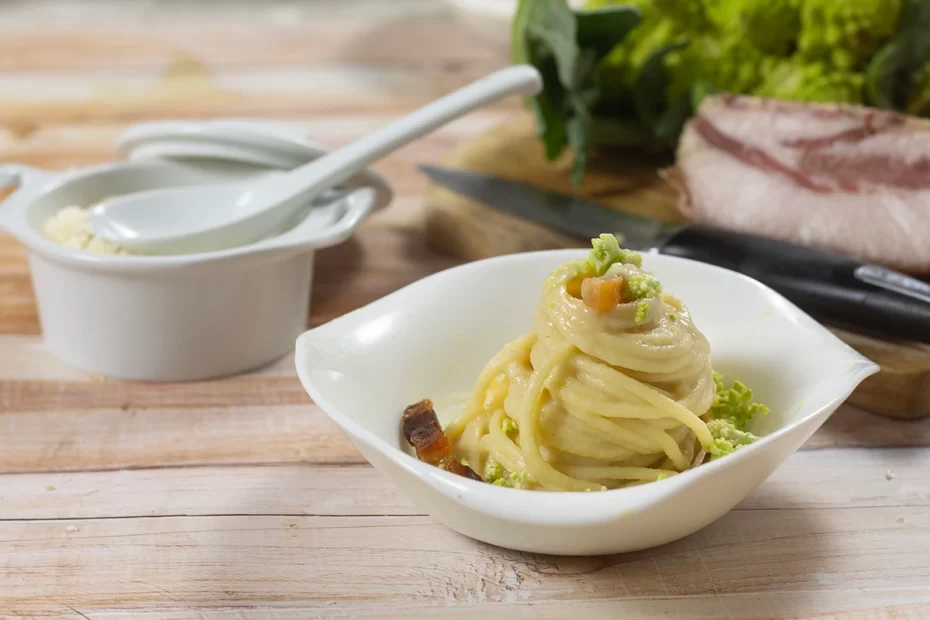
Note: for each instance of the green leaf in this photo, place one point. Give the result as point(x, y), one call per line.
point(650, 87)
point(601, 29)
point(551, 23)
point(548, 108)
point(699, 90)
point(620, 132)
point(578, 130)
point(892, 71)
point(670, 123)
point(915, 16)
point(566, 48)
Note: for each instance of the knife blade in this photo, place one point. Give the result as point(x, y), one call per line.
point(832, 287)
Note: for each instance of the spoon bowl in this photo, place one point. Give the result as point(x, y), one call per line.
point(211, 218)
point(149, 221)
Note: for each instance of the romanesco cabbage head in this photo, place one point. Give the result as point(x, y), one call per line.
point(727, 63)
point(689, 14)
point(815, 82)
point(771, 26)
point(846, 32)
point(621, 67)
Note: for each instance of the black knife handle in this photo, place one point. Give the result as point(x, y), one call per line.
point(821, 283)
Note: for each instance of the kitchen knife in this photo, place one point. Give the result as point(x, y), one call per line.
point(834, 288)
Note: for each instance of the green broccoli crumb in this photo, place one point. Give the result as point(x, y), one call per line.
point(502, 482)
point(519, 479)
point(510, 427)
point(672, 316)
point(642, 311)
point(493, 471)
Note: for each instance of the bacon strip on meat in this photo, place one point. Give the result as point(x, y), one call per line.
point(423, 431)
point(850, 179)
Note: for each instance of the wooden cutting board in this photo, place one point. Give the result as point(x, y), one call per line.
point(471, 230)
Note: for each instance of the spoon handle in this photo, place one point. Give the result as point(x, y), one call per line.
point(339, 165)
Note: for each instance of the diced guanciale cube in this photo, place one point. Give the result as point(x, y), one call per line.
point(423, 431)
point(602, 294)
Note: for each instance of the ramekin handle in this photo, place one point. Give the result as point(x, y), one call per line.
point(21, 177)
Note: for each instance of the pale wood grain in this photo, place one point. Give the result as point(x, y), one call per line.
point(892, 604)
point(96, 439)
point(234, 41)
point(251, 503)
point(214, 427)
point(307, 489)
point(814, 479)
point(351, 561)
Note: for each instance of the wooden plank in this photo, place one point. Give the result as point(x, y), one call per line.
point(194, 91)
point(81, 144)
point(808, 480)
point(321, 490)
point(853, 427)
point(365, 561)
point(226, 432)
point(96, 439)
point(243, 41)
point(891, 604)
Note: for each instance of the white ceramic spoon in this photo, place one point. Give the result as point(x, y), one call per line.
point(206, 218)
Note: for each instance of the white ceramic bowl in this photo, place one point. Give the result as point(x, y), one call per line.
point(432, 338)
point(172, 318)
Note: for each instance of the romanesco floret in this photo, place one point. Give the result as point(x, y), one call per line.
point(815, 82)
point(727, 438)
point(502, 482)
point(727, 63)
point(519, 479)
point(690, 14)
point(642, 311)
point(846, 32)
point(771, 26)
point(734, 404)
point(641, 286)
point(607, 251)
point(620, 69)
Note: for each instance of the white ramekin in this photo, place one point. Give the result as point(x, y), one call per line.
point(172, 318)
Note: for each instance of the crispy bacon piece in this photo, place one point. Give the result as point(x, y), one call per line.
point(851, 179)
point(423, 432)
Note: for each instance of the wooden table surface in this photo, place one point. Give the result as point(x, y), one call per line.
point(238, 498)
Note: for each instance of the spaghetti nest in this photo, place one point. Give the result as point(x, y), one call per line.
point(611, 387)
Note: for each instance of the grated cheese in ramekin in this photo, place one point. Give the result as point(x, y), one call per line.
point(70, 227)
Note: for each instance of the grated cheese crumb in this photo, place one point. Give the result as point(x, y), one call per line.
point(70, 227)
